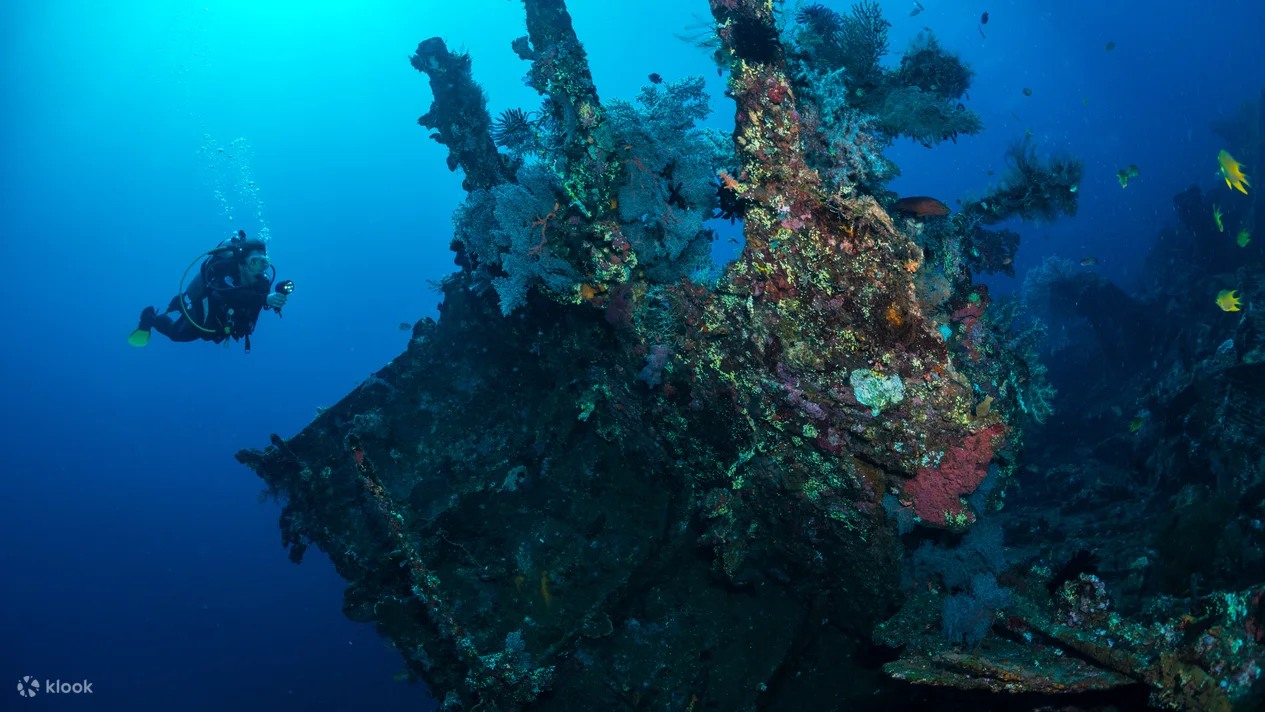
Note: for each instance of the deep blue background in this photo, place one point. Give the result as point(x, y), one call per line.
point(135, 552)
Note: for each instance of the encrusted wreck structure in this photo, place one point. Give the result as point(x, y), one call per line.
point(613, 473)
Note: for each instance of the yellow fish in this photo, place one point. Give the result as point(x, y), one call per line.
point(1124, 174)
point(545, 593)
point(1136, 424)
point(1227, 301)
point(1232, 171)
point(1216, 215)
point(1243, 238)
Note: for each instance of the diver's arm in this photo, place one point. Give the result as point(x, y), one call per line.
point(219, 276)
point(276, 300)
point(242, 298)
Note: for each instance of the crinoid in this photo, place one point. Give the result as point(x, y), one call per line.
point(513, 130)
point(821, 21)
point(755, 41)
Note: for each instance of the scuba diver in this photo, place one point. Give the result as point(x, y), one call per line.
point(232, 288)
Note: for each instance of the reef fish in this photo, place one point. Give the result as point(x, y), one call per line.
point(1232, 171)
point(1227, 301)
point(1243, 238)
point(1125, 174)
point(921, 206)
point(1216, 217)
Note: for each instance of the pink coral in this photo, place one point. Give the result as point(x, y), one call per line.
point(936, 492)
point(968, 314)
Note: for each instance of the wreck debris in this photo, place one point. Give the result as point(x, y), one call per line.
point(604, 478)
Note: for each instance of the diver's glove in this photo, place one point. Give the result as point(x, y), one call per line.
point(276, 300)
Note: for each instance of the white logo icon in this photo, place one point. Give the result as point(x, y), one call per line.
point(28, 686)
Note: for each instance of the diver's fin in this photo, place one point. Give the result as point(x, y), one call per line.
point(140, 337)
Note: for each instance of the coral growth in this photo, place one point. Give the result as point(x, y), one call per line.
point(837, 61)
point(929, 67)
point(924, 117)
point(1032, 189)
point(936, 492)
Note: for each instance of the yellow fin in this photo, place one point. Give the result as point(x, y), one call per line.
point(139, 338)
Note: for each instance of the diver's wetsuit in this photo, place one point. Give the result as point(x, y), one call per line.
point(218, 303)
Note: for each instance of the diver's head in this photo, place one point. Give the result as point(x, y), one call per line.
point(239, 246)
point(254, 262)
point(251, 253)
point(243, 245)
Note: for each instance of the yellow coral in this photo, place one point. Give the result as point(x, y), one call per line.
point(893, 316)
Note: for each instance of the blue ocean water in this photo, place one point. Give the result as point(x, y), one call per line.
point(137, 135)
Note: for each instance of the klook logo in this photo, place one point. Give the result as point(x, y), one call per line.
point(28, 686)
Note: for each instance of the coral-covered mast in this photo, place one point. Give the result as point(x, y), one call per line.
point(459, 115)
point(560, 70)
point(825, 293)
